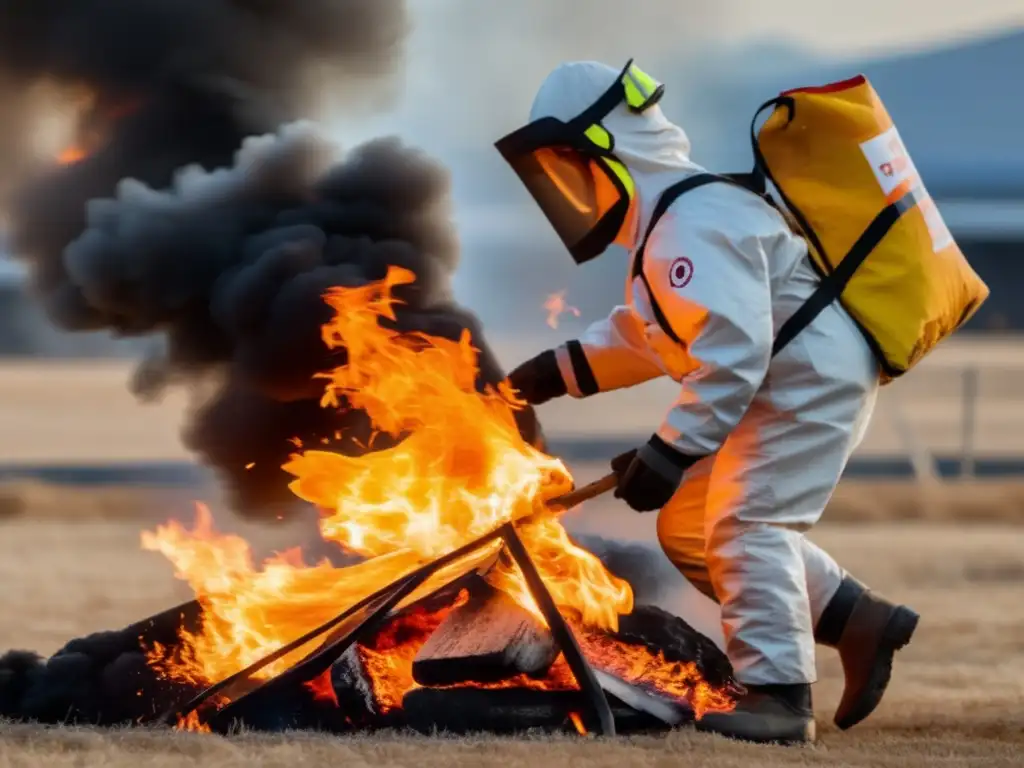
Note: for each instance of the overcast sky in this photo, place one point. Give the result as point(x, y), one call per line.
point(473, 65)
point(866, 25)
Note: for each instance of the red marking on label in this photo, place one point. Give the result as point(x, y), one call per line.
point(680, 273)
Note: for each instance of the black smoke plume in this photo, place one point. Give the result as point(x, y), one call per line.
point(208, 215)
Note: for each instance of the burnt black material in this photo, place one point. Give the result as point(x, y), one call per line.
point(511, 710)
point(659, 630)
point(488, 639)
point(101, 679)
point(294, 706)
point(581, 670)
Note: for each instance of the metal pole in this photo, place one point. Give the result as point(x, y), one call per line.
point(589, 686)
point(925, 467)
point(968, 421)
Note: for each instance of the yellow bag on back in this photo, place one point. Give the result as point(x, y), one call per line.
point(874, 233)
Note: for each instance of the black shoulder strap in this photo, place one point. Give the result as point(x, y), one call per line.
point(829, 289)
point(668, 197)
point(831, 286)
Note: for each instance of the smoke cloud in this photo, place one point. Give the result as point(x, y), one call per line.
point(205, 214)
point(483, 62)
point(474, 70)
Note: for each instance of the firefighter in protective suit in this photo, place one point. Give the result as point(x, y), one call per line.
point(750, 452)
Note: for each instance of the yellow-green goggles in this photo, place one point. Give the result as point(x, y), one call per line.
point(571, 170)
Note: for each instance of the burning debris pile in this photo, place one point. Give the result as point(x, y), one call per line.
point(467, 659)
point(469, 605)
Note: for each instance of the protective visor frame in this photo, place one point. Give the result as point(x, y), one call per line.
point(634, 88)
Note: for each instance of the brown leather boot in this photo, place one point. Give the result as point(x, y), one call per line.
point(867, 630)
point(766, 714)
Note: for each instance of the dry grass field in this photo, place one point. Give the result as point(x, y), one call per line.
point(957, 698)
point(856, 500)
point(70, 563)
point(39, 399)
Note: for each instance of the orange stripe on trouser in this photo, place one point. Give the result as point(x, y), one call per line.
point(681, 533)
point(681, 529)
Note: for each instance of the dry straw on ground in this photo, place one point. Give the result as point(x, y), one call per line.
point(64, 748)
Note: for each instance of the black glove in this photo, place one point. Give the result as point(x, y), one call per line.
point(650, 475)
point(539, 379)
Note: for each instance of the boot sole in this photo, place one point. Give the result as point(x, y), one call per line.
point(897, 634)
point(803, 735)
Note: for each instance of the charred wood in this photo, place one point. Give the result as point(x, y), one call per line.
point(79, 688)
point(339, 701)
point(511, 710)
point(350, 681)
point(660, 631)
point(487, 639)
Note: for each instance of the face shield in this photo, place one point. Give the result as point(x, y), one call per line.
point(571, 170)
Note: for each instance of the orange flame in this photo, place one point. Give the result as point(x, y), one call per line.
point(71, 155)
point(323, 689)
point(556, 306)
point(461, 471)
point(577, 723)
point(191, 722)
point(637, 665)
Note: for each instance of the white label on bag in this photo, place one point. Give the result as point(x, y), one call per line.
point(896, 173)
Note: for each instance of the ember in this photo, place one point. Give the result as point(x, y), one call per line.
point(556, 306)
point(388, 659)
point(323, 689)
point(72, 154)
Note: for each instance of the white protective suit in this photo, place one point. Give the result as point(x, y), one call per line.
point(727, 272)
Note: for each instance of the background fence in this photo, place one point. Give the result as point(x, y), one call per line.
point(960, 414)
point(953, 419)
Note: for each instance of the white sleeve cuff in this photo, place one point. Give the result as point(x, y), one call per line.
point(568, 374)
